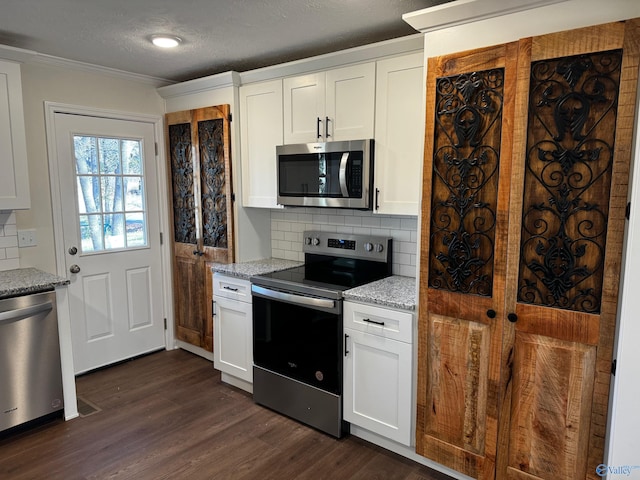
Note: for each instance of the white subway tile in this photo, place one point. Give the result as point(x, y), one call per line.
point(10, 230)
point(3, 253)
point(320, 218)
point(409, 223)
point(402, 258)
point(9, 264)
point(277, 253)
point(7, 217)
point(371, 222)
point(11, 241)
point(13, 252)
point(390, 222)
point(353, 221)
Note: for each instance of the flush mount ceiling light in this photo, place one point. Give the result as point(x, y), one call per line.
point(165, 41)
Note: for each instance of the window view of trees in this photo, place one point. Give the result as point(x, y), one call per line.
point(110, 193)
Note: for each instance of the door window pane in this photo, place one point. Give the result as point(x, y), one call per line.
point(110, 182)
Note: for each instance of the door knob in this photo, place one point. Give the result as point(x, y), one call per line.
point(491, 313)
point(73, 250)
point(74, 268)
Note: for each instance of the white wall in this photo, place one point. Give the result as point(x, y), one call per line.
point(624, 424)
point(58, 83)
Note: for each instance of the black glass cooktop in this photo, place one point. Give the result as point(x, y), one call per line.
point(326, 274)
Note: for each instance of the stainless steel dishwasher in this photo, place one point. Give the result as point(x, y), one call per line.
point(30, 371)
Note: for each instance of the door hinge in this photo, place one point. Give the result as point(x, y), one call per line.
point(165, 323)
point(161, 239)
point(614, 366)
point(231, 117)
point(233, 197)
point(156, 147)
point(627, 212)
point(213, 308)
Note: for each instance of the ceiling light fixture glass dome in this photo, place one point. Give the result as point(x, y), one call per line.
point(165, 41)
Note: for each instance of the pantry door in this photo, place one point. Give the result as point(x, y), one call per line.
point(109, 198)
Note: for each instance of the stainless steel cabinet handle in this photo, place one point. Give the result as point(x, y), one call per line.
point(25, 312)
point(292, 298)
point(74, 268)
point(368, 320)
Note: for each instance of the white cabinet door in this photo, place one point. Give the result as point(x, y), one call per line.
point(14, 179)
point(377, 385)
point(261, 128)
point(350, 102)
point(334, 105)
point(304, 108)
point(233, 336)
point(399, 134)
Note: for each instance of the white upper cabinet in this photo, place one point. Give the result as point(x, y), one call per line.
point(14, 181)
point(260, 132)
point(399, 134)
point(334, 105)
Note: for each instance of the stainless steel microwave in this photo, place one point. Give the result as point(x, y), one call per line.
point(331, 174)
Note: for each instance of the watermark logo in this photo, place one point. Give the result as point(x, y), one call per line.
point(603, 470)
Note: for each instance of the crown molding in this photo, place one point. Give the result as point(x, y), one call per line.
point(98, 69)
point(365, 53)
point(16, 54)
point(460, 12)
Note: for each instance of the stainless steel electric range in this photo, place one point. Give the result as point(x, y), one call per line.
point(297, 326)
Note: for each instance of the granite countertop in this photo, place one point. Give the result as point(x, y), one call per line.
point(246, 270)
point(395, 291)
point(24, 281)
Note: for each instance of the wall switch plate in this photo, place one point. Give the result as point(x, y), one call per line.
point(27, 238)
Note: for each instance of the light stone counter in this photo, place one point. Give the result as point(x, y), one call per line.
point(246, 270)
point(24, 281)
point(395, 291)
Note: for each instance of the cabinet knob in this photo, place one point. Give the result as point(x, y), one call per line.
point(491, 313)
point(512, 317)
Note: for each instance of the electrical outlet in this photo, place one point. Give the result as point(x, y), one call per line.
point(27, 238)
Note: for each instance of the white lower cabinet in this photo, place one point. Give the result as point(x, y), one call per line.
point(378, 373)
point(233, 328)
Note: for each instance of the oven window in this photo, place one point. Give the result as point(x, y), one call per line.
point(298, 342)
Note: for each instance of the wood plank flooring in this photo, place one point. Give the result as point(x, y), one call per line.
point(168, 416)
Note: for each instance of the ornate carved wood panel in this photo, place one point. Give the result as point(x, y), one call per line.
point(572, 115)
point(468, 121)
point(181, 161)
point(213, 183)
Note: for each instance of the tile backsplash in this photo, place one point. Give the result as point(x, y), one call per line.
point(9, 256)
point(288, 224)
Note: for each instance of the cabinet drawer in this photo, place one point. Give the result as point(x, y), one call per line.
point(231, 287)
point(385, 322)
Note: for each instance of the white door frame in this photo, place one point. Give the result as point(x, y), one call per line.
point(51, 108)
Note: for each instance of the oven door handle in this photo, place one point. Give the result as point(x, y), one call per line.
point(292, 298)
point(343, 175)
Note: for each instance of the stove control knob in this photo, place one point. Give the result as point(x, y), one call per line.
point(316, 241)
point(307, 240)
point(368, 246)
point(378, 247)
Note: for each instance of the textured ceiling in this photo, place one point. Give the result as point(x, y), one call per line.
point(218, 35)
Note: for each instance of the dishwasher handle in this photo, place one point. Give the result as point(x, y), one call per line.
point(20, 313)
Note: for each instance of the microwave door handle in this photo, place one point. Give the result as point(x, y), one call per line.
point(343, 174)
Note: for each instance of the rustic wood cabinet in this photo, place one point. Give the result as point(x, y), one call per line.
point(525, 186)
point(202, 212)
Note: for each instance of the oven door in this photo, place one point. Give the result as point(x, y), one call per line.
point(298, 337)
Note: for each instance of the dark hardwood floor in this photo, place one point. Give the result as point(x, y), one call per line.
point(168, 416)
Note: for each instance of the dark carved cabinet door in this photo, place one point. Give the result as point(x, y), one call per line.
point(525, 184)
point(470, 101)
point(200, 186)
point(576, 95)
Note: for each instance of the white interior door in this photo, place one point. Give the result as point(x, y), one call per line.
point(108, 189)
